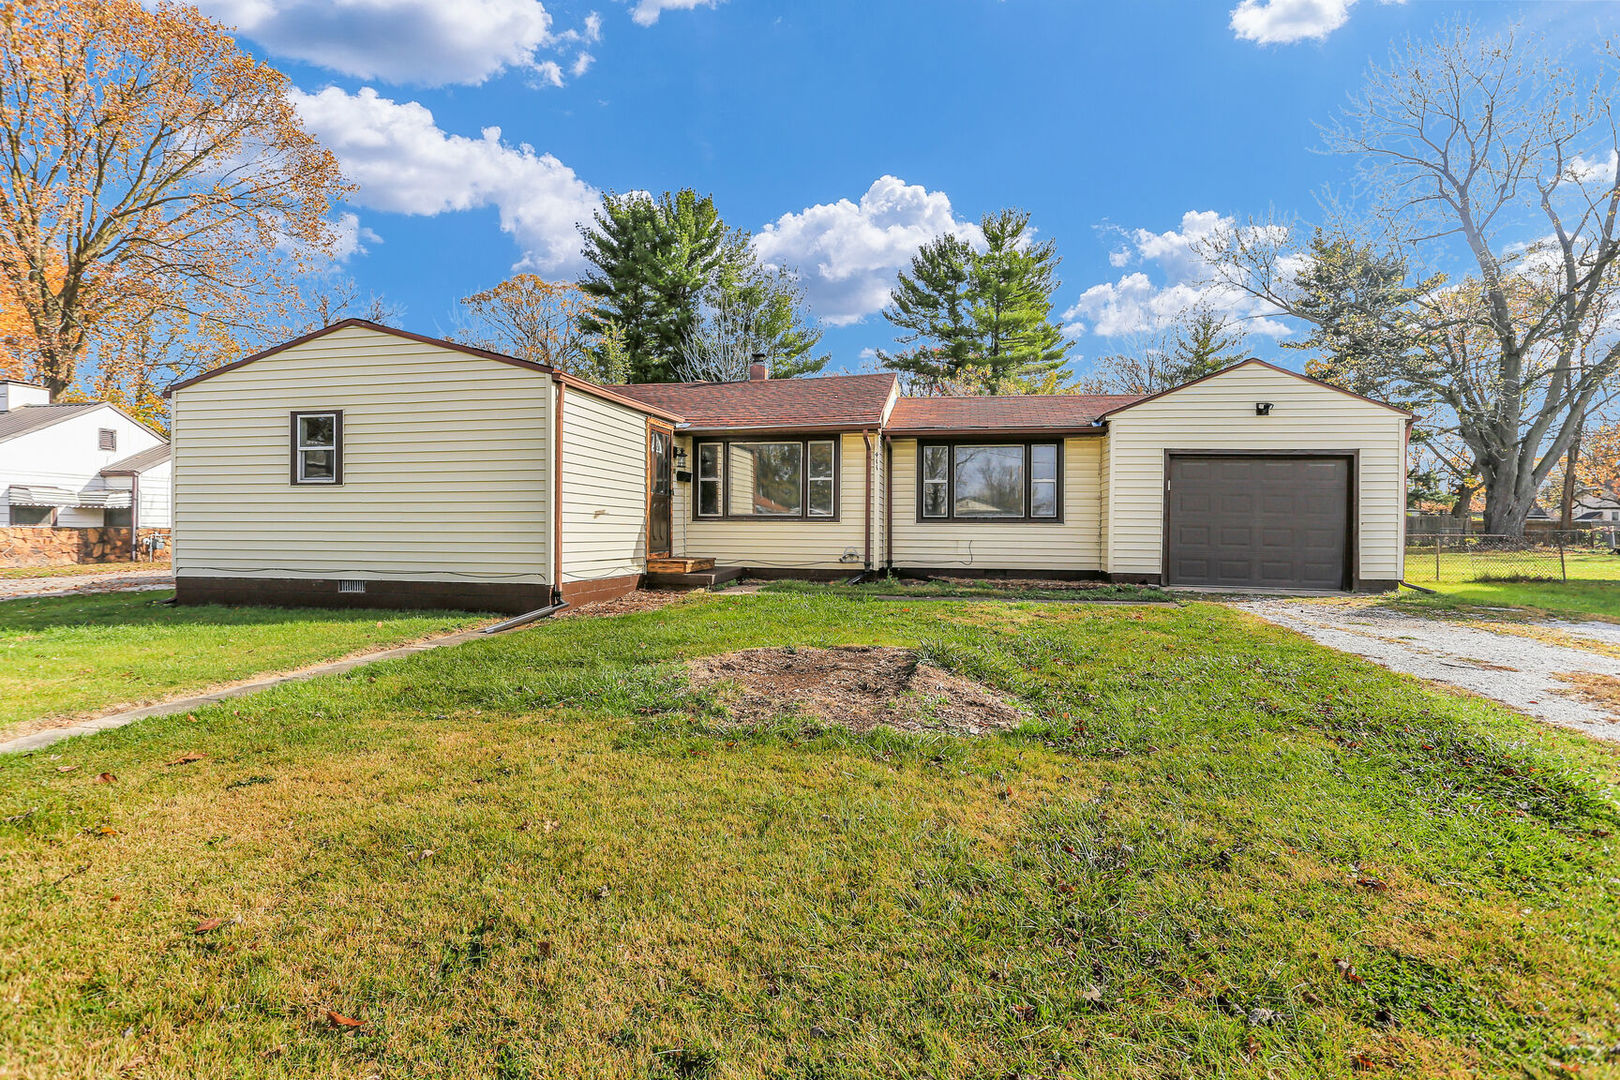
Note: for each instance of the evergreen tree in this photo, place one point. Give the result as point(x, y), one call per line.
point(931, 306)
point(1358, 305)
point(769, 301)
point(1205, 343)
point(979, 319)
point(654, 260)
point(1016, 342)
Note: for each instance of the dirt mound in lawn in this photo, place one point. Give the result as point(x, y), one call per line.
point(858, 686)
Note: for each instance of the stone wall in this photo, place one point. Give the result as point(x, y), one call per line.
point(26, 545)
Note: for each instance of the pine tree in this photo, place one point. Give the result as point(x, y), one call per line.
point(980, 320)
point(654, 260)
point(1013, 280)
point(931, 306)
point(770, 302)
point(1205, 343)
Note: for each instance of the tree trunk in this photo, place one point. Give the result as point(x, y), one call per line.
point(1506, 508)
point(1566, 518)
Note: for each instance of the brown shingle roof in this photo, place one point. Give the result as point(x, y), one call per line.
point(1027, 412)
point(834, 401)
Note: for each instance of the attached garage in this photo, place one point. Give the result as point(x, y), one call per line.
point(1259, 521)
point(1256, 477)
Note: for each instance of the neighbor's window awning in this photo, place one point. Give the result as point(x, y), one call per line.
point(93, 498)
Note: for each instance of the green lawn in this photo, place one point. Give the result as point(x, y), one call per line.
point(1593, 588)
point(75, 654)
point(1219, 850)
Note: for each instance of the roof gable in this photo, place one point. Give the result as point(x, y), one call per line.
point(1253, 362)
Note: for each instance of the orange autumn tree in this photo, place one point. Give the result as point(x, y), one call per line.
point(157, 192)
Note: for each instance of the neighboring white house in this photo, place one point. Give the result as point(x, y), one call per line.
point(85, 465)
point(1597, 509)
point(364, 465)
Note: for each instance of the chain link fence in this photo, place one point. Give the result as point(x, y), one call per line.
point(1580, 555)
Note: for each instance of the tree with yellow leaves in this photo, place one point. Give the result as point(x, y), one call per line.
point(156, 187)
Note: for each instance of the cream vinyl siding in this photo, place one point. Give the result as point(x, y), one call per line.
point(446, 466)
point(604, 488)
point(1073, 544)
point(1218, 414)
point(777, 544)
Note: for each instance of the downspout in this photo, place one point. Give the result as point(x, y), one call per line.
point(556, 498)
point(866, 437)
point(888, 503)
point(134, 517)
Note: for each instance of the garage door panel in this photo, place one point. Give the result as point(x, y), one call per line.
point(1258, 521)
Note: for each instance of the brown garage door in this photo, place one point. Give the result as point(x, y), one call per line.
point(1256, 521)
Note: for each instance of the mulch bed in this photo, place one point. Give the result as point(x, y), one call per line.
point(856, 686)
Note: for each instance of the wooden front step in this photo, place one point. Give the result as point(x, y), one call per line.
point(678, 566)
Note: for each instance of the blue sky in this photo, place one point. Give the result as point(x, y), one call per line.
point(842, 132)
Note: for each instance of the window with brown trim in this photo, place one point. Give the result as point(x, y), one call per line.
point(781, 479)
point(317, 447)
point(990, 481)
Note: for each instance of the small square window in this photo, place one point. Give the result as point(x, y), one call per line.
point(317, 448)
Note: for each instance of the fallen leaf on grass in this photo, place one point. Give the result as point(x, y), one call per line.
point(207, 925)
point(106, 778)
point(66, 768)
point(102, 830)
point(186, 758)
point(1092, 995)
point(425, 853)
point(1347, 971)
point(1372, 883)
point(338, 1020)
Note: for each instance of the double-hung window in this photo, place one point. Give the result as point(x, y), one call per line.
point(317, 447)
point(989, 482)
point(792, 479)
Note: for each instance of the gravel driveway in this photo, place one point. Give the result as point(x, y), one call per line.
point(1518, 664)
point(67, 584)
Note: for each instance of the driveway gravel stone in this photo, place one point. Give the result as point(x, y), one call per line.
point(1489, 659)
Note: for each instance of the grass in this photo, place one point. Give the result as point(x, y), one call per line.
point(1009, 589)
point(27, 572)
point(1220, 850)
point(77, 654)
point(1592, 591)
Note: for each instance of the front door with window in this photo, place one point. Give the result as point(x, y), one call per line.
point(660, 487)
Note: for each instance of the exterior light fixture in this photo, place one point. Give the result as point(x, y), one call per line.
point(680, 457)
point(1262, 408)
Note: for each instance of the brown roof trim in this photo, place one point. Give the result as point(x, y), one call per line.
point(1265, 364)
point(587, 387)
point(1011, 434)
point(360, 324)
point(796, 430)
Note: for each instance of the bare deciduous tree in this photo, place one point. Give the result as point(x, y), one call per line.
point(1466, 147)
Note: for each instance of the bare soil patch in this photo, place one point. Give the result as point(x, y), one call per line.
point(628, 604)
point(856, 686)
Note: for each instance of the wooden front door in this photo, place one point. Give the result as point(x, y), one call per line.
point(660, 490)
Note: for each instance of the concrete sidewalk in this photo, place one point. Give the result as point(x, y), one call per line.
point(28, 588)
point(35, 740)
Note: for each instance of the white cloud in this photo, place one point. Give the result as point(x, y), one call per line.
point(418, 42)
point(1585, 170)
point(1282, 22)
point(404, 163)
point(352, 237)
point(1136, 304)
point(646, 12)
point(847, 254)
